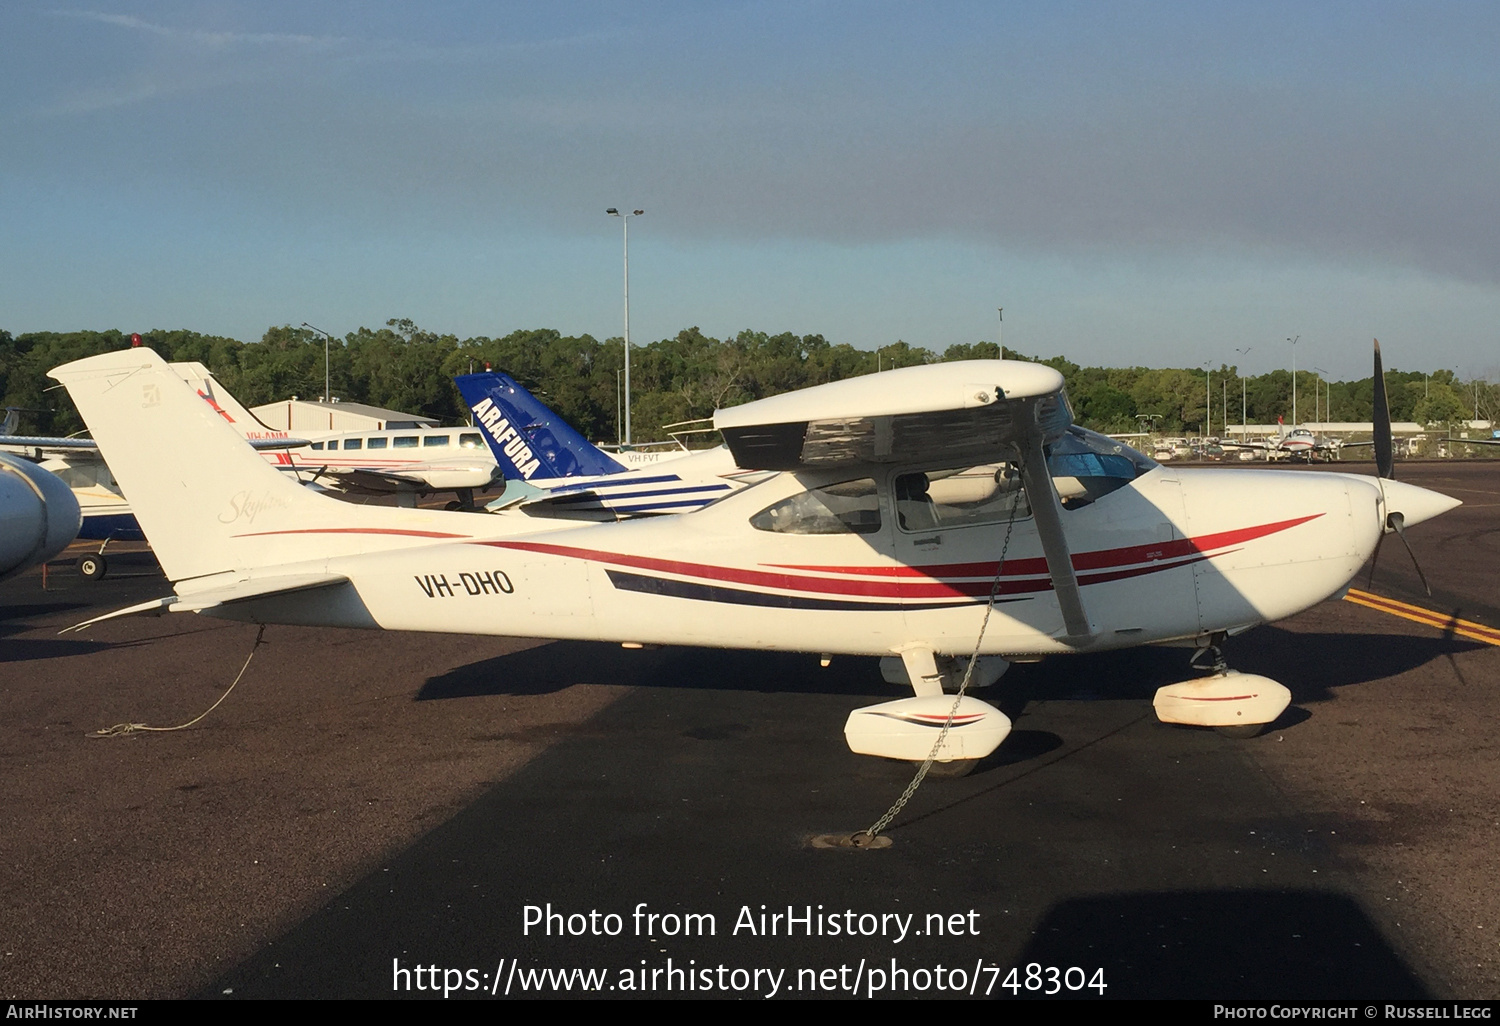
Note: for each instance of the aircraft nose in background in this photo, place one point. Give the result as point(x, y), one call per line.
point(1415, 504)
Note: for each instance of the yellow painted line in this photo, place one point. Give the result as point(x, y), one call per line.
point(1442, 621)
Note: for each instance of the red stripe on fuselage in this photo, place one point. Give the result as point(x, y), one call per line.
point(1103, 559)
point(929, 589)
point(736, 575)
point(355, 530)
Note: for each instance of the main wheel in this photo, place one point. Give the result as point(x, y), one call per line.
point(950, 770)
point(92, 566)
point(1242, 730)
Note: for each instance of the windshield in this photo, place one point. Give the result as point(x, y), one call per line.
point(1086, 466)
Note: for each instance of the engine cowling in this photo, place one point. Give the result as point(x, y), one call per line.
point(39, 516)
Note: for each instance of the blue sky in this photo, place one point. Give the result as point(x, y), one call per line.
point(1156, 184)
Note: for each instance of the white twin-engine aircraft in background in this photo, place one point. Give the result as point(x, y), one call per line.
point(411, 462)
point(1298, 443)
point(924, 515)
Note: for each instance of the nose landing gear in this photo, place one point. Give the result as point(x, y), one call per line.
point(1238, 705)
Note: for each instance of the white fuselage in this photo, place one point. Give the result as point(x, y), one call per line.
point(410, 450)
point(1173, 554)
point(867, 556)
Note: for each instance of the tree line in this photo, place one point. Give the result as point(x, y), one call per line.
point(403, 367)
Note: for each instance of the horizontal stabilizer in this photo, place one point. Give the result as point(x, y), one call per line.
point(210, 598)
point(155, 607)
point(241, 591)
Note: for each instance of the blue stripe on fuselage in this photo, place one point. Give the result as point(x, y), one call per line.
point(607, 483)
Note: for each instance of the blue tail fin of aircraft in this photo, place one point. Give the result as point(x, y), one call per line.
point(529, 441)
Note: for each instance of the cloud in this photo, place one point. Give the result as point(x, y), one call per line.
point(205, 38)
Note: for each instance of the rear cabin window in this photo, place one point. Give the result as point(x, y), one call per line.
point(86, 475)
point(431, 441)
point(849, 507)
point(470, 440)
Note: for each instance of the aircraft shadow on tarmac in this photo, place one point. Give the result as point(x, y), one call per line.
point(561, 664)
point(21, 650)
point(26, 650)
point(1311, 665)
point(10, 616)
point(1224, 944)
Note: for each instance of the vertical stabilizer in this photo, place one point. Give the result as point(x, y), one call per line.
point(202, 381)
point(206, 500)
point(529, 441)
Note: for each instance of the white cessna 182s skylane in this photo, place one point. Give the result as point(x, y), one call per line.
point(926, 515)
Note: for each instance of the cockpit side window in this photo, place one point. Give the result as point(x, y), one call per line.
point(935, 500)
point(848, 507)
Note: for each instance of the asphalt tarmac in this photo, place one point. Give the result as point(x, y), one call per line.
point(374, 815)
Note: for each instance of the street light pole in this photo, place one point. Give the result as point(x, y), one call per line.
point(625, 222)
point(1293, 341)
point(1244, 423)
point(1208, 399)
point(326, 338)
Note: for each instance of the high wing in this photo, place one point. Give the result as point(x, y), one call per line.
point(933, 412)
point(969, 410)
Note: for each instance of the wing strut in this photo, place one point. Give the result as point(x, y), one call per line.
point(1047, 512)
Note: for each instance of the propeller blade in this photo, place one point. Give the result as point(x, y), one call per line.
point(1374, 561)
point(1385, 460)
point(1397, 521)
